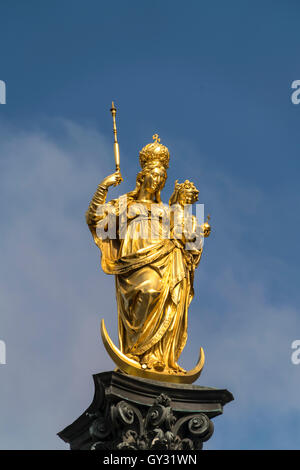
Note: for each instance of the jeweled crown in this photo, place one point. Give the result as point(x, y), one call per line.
point(155, 152)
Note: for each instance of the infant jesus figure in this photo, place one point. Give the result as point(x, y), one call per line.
point(185, 227)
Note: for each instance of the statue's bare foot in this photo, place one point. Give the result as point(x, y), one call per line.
point(159, 366)
point(150, 364)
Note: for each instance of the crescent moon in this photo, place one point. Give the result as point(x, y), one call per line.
point(131, 367)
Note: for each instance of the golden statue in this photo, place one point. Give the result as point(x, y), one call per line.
point(144, 244)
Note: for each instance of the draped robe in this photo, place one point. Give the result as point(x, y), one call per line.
point(154, 280)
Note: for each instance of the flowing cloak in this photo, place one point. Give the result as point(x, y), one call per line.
point(154, 278)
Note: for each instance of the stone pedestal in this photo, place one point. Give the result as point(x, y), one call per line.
point(132, 413)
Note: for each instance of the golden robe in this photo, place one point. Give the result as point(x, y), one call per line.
point(154, 281)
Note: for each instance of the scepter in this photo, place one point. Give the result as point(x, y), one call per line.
point(116, 145)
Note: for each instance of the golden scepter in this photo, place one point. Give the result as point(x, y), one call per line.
point(116, 145)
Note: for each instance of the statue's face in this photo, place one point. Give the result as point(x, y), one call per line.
point(187, 197)
point(154, 180)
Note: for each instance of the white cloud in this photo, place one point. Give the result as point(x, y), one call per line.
point(53, 295)
point(51, 283)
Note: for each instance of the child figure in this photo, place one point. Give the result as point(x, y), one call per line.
point(185, 226)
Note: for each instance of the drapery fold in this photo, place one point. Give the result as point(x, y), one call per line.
point(154, 287)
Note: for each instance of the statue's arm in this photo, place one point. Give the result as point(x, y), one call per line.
point(99, 199)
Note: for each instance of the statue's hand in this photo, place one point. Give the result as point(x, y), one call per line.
point(112, 180)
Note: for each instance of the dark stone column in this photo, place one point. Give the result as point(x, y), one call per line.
point(132, 413)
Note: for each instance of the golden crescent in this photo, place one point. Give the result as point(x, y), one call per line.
point(131, 367)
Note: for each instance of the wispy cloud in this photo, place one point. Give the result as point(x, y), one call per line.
point(52, 290)
point(53, 295)
point(245, 330)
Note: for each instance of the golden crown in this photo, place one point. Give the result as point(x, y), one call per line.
point(155, 152)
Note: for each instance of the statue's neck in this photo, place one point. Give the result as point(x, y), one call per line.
point(146, 196)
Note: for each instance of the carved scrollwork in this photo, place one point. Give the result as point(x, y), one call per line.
point(125, 417)
point(198, 428)
point(199, 425)
point(100, 428)
point(160, 414)
point(156, 416)
point(125, 412)
point(122, 425)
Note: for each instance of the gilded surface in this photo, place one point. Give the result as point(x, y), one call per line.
point(153, 269)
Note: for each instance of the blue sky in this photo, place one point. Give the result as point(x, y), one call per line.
point(214, 80)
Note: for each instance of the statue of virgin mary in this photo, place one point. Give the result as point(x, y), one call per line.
point(153, 270)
